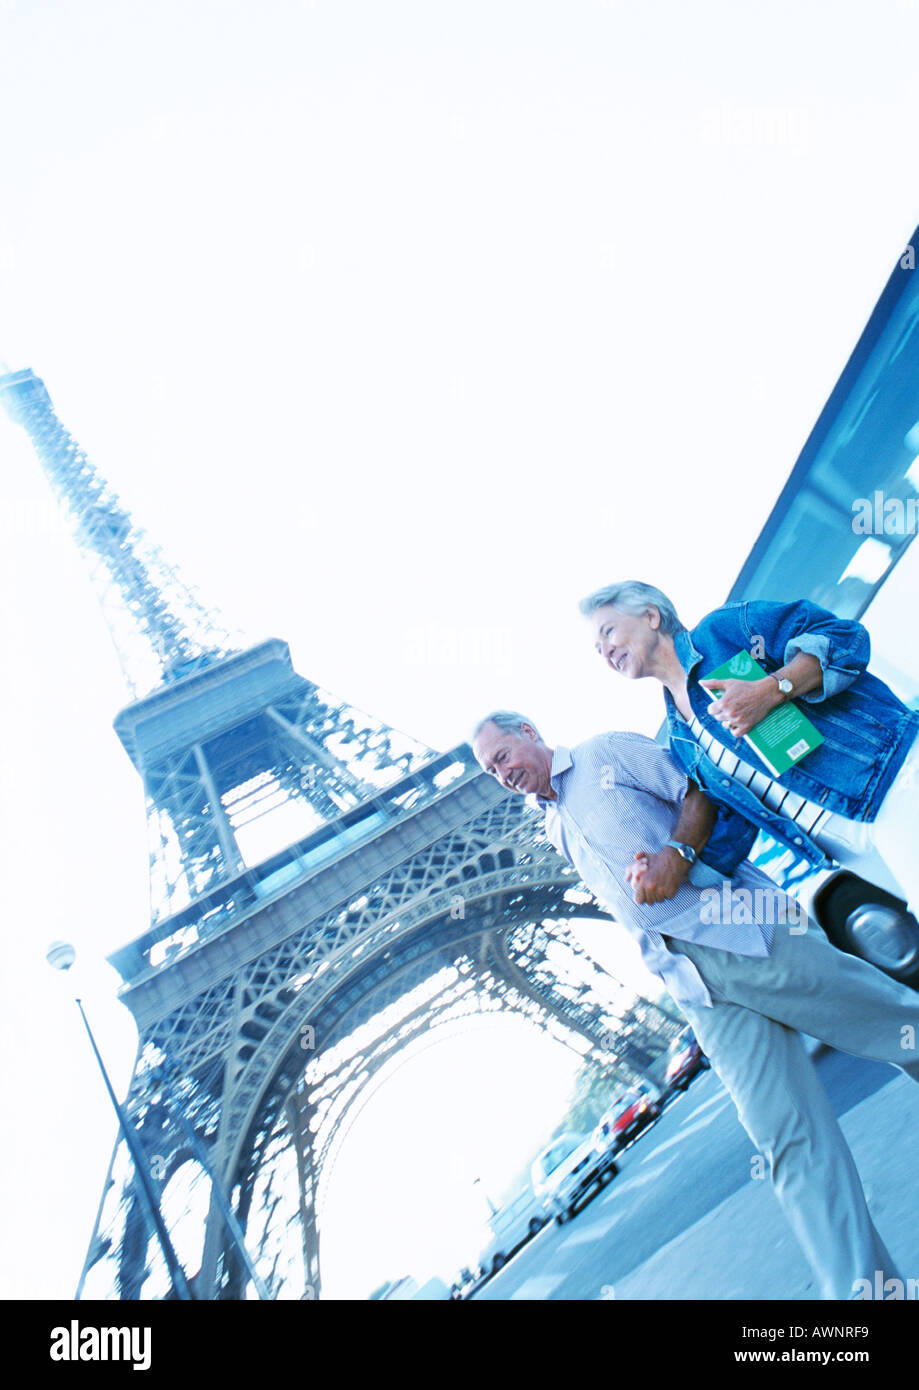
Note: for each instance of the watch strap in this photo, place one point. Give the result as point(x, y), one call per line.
point(685, 851)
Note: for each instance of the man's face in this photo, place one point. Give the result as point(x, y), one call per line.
point(520, 761)
point(626, 640)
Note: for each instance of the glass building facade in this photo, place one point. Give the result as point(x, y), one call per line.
point(841, 530)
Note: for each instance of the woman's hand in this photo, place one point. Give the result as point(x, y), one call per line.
point(743, 703)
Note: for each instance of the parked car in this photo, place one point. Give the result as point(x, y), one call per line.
point(465, 1283)
point(568, 1170)
point(857, 916)
point(628, 1115)
point(685, 1060)
point(511, 1227)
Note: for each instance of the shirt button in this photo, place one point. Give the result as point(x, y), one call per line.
point(798, 840)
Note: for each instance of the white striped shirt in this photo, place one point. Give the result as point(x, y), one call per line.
point(810, 816)
point(620, 793)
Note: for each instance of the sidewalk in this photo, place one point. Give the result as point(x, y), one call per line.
point(744, 1248)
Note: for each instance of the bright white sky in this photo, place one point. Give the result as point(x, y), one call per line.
point(401, 327)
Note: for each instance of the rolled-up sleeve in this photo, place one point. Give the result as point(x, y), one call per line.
point(841, 645)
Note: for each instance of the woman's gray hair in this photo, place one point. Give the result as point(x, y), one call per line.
point(631, 596)
point(506, 719)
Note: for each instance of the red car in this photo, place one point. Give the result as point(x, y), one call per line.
point(686, 1060)
point(626, 1117)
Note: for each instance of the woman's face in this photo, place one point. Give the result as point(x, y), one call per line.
point(625, 640)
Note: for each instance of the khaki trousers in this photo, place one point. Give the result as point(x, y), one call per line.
point(750, 1035)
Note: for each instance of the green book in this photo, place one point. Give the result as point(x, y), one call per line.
point(785, 736)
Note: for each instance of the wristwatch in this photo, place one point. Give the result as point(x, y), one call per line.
point(784, 684)
point(684, 851)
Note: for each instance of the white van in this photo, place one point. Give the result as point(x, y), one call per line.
point(566, 1171)
point(511, 1226)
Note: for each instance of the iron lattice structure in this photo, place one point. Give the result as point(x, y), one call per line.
point(327, 896)
point(160, 627)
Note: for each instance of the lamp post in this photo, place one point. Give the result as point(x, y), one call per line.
point(61, 956)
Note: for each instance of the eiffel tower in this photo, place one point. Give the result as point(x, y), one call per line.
point(325, 892)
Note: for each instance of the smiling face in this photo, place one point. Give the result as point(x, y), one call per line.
point(628, 642)
point(521, 762)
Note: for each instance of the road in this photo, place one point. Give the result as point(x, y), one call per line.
point(693, 1164)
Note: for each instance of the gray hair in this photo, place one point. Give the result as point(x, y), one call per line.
point(506, 719)
point(631, 596)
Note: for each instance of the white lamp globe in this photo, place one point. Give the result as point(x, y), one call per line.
point(61, 955)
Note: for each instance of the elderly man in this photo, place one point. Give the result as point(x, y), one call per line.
point(854, 798)
point(623, 814)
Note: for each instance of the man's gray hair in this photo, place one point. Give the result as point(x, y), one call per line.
point(631, 596)
point(506, 719)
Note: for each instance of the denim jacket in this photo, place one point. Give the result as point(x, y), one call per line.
point(867, 731)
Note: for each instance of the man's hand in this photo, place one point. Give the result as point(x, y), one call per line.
point(654, 878)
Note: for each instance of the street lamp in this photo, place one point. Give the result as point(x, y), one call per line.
point(61, 956)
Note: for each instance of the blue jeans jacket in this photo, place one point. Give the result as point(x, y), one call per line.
point(867, 731)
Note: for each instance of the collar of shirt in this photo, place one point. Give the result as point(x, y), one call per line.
point(561, 762)
point(689, 659)
point(687, 655)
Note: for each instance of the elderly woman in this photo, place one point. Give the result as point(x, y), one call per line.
point(854, 798)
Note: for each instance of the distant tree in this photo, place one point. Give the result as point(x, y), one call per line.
point(594, 1090)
